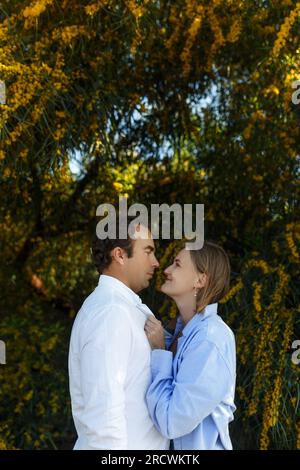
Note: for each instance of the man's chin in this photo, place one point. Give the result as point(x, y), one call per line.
point(145, 284)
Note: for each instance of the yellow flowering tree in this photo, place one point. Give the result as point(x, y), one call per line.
point(189, 102)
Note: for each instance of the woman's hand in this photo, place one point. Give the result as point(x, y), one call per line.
point(155, 333)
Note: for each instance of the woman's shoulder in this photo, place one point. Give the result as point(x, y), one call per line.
point(216, 331)
point(221, 338)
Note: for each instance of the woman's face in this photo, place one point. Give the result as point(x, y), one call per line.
point(181, 276)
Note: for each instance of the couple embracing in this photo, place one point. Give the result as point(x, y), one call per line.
point(137, 385)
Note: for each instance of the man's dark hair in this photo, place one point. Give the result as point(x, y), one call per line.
point(101, 249)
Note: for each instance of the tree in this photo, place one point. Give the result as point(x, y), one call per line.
point(186, 101)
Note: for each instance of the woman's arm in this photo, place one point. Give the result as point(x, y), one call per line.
point(178, 405)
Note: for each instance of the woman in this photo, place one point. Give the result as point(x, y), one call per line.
point(191, 397)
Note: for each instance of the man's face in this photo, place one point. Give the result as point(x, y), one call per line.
point(140, 267)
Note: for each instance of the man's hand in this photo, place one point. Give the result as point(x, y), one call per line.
point(155, 333)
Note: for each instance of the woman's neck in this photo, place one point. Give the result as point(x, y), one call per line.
point(186, 307)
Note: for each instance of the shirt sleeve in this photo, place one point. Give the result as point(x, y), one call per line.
point(104, 362)
point(178, 405)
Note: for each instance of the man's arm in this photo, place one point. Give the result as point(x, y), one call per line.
point(104, 361)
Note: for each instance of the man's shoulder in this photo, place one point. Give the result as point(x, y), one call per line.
point(100, 319)
point(101, 305)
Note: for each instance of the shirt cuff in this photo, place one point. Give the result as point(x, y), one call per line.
point(161, 361)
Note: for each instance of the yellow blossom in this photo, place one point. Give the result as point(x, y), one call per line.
point(285, 29)
point(28, 395)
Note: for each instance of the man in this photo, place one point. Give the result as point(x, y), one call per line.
point(109, 356)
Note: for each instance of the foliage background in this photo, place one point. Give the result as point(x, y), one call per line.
point(161, 101)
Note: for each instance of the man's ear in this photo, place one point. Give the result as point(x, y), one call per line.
point(118, 255)
point(201, 281)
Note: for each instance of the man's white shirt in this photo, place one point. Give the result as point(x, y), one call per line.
point(109, 371)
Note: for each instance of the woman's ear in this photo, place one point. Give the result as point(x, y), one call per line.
point(201, 281)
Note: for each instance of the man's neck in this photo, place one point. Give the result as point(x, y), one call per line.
point(117, 276)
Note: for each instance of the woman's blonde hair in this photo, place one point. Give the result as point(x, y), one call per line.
point(211, 260)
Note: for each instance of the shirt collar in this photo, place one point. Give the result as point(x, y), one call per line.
point(209, 311)
point(110, 282)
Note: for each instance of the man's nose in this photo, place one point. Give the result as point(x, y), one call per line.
point(156, 262)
